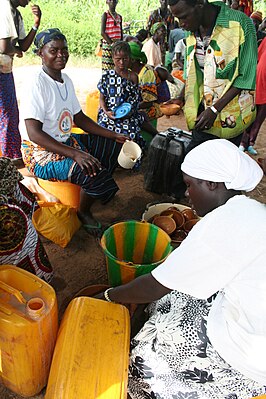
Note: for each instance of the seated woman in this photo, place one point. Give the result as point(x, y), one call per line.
point(206, 337)
point(20, 243)
point(117, 86)
point(147, 83)
point(152, 47)
point(50, 151)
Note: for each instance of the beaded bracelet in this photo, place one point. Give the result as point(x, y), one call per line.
point(106, 295)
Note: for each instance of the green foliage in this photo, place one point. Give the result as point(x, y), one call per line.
point(80, 20)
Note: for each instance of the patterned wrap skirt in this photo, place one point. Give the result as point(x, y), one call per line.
point(20, 244)
point(173, 358)
point(50, 166)
point(10, 141)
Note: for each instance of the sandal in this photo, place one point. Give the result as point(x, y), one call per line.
point(93, 229)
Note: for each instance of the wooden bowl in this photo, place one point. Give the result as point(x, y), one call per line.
point(178, 218)
point(190, 224)
point(166, 223)
point(178, 236)
point(189, 214)
point(167, 212)
point(169, 109)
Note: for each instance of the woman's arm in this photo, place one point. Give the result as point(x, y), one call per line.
point(103, 27)
point(88, 125)
point(87, 162)
point(144, 289)
point(24, 44)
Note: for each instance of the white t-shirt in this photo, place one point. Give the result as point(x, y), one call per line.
point(52, 103)
point(7, 26)
point(226, 252)
point(8, 30)
point(180, 47)
point(153, 52)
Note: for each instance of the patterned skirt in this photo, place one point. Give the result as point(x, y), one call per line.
point(10, 141)
point(107, 60)
point(50, 166)
point(20, 244)
point(172, 357)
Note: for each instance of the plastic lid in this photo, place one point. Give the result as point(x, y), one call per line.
point(122, 110)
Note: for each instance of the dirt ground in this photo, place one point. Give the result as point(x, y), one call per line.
point(82, 262)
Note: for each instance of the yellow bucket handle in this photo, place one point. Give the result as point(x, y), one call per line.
point(13, 291)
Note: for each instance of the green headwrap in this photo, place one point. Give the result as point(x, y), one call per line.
point(156, 26)
point(136, 53)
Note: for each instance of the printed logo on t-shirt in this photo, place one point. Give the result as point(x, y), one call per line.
point(65, 122)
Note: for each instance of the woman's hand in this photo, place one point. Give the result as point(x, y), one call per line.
point(205, 120)
point(36, 11)
point(110, 114)
point(90, 165)
point(120, 138)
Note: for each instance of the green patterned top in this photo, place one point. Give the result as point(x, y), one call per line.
point(230, 60)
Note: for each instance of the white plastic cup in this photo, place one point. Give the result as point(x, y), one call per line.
point(129, 154)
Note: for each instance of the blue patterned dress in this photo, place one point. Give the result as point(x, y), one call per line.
point(117, 90)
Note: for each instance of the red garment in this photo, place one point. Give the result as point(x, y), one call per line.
point(248, 6)
point(261, 74)
point(113, 26)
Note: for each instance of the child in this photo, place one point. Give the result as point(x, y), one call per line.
point(117, 86)
point(111, 31)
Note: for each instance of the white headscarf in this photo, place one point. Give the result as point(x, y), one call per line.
point(219, 160)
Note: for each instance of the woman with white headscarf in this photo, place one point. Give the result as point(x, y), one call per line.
point(206, 334)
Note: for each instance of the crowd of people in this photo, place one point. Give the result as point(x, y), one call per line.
point(206, 333)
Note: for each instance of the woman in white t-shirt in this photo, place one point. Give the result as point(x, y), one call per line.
point(206, 334)
point(49, 109)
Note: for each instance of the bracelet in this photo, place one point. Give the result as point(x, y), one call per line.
point(214, 110)
point(106, 295)
point(34, 28)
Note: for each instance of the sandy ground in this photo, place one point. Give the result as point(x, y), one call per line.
point(82, 262)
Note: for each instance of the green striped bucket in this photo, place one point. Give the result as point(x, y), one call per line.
point(133, 249)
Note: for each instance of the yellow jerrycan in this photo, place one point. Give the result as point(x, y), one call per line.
point(92, 352)
point(28, 330)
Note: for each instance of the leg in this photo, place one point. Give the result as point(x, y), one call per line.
point(237, 140)
point(256, 125)
point(100, 187)
point(10, 140)
point(84, 212)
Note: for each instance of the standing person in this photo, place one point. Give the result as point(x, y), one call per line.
point(111, 31)
point(162, 14)
point(256, 18)
point(13, 41)
point(50, 151)
point(250, 135)
point(152, 47)
point(220, 70)
point(205, 337)
point(246, 6)
point(117, 86)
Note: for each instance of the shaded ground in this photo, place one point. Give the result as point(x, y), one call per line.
point(82, 262)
